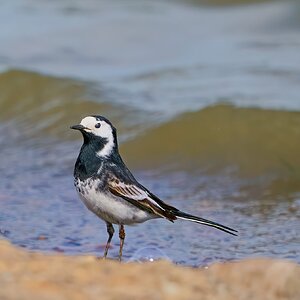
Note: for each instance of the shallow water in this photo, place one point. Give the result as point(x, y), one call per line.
point(208, 119)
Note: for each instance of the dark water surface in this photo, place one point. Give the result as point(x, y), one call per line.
point(207, 105)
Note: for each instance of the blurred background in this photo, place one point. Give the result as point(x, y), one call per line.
point(206, 99)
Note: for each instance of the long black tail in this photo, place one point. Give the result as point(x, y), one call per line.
point(185, 216)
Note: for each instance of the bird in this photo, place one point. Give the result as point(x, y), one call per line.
point(108, 188)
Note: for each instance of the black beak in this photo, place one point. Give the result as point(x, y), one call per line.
point(78, 127)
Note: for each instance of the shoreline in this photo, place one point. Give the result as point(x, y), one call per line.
point(28, 275)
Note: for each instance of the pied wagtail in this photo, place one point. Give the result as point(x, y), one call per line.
point(108, 188)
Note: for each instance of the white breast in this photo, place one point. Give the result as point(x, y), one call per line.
point(108, 207)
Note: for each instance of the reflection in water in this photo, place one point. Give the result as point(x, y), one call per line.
point(148, 254)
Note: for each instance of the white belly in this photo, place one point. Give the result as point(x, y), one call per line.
point(110, 208)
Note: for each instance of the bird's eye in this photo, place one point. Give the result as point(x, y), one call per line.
point(98, 125)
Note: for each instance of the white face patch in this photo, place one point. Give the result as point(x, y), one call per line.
point(104, 130)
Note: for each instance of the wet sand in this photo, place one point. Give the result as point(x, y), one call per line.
point(25, 275)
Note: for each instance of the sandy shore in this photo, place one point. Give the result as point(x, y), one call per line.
point(25, 275)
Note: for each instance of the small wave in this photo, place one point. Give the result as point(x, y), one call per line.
point(251, 142)
point(42, 106)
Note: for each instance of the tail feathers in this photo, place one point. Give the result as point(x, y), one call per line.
point(188, 217)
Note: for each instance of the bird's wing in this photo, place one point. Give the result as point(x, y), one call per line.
point(140, 197)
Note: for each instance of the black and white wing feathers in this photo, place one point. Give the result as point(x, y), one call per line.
point(139, 196)
point(124, 185)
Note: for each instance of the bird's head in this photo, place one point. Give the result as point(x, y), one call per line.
point(99, 133)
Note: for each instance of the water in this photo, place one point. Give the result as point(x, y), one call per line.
point(206, 103)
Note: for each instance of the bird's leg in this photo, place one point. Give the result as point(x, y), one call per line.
point(110, 231)
point(122, 238)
